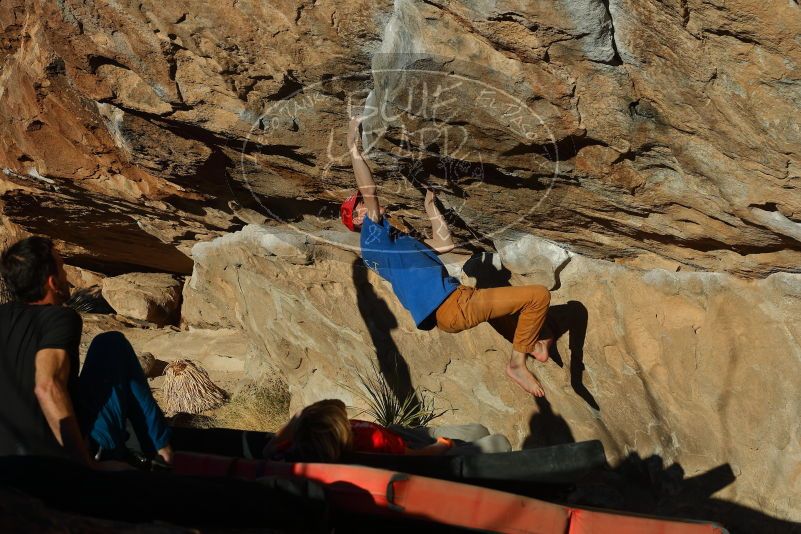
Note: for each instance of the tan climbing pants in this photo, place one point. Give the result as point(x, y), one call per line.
point(516, 312)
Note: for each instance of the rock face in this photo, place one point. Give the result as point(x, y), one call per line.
point(82, 278)
point(655, 362)
point(532, 257)
point(638, 156)
point(651, 132)
point(148, 363)
point(151, 297)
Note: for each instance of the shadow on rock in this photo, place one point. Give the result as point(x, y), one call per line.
point(486, 272)
point(89, 300)
point(570, 318)
point(380, 322)
point(647, 486)
point(547, 428)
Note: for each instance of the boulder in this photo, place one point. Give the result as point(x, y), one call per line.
point(148, 363)
point(698, 370)
point(152, 297)
point(83, 278)
point(652, 144)
point(538, 259)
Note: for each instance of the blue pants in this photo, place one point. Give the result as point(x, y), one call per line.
point(113, 391)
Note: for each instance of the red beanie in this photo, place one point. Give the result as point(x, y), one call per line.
point(346, 210)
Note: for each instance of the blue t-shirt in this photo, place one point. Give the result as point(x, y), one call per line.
point(418, 277)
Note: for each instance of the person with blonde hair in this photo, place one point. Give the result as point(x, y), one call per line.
point(322, 432)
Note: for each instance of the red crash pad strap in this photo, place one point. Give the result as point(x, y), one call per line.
point(596, 522)
point(210, 465)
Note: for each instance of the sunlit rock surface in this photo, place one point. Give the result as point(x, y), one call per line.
point(650, 132)
point(638, 156)
point(150, 297)
point(700, 369)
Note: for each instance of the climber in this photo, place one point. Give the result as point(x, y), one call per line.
point(422, 284)
point(46, 408)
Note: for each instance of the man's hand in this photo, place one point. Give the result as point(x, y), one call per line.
point(166, 454)
point(430, 196)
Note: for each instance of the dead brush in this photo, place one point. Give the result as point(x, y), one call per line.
point(5, 292)
point(188, 389)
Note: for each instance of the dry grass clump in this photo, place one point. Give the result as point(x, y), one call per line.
point(5, 292)
point(256, 407)
point(188, 389)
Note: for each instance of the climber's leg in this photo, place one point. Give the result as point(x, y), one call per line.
point(468, 307)
point(113, 389)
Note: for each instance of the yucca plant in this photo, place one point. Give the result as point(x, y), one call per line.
point(384, 406)
point(89, 300)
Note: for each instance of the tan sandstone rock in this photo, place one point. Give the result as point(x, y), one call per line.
point(151, 297)
point(539, 260)
point(672, 364)
point(643, 131)
point(83, 278)
point(641, 134)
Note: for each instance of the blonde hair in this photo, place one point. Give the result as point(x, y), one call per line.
point(322, 432)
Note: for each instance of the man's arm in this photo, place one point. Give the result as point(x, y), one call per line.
point(52, 373)
point(441, 240)
point(364, 178)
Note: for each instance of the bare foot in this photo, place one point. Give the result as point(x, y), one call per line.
point(541, 349)
point(519, 373)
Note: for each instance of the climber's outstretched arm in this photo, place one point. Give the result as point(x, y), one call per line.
point(364, 178)
point(441, 240)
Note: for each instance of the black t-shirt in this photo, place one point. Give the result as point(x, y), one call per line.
point(24, 330)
